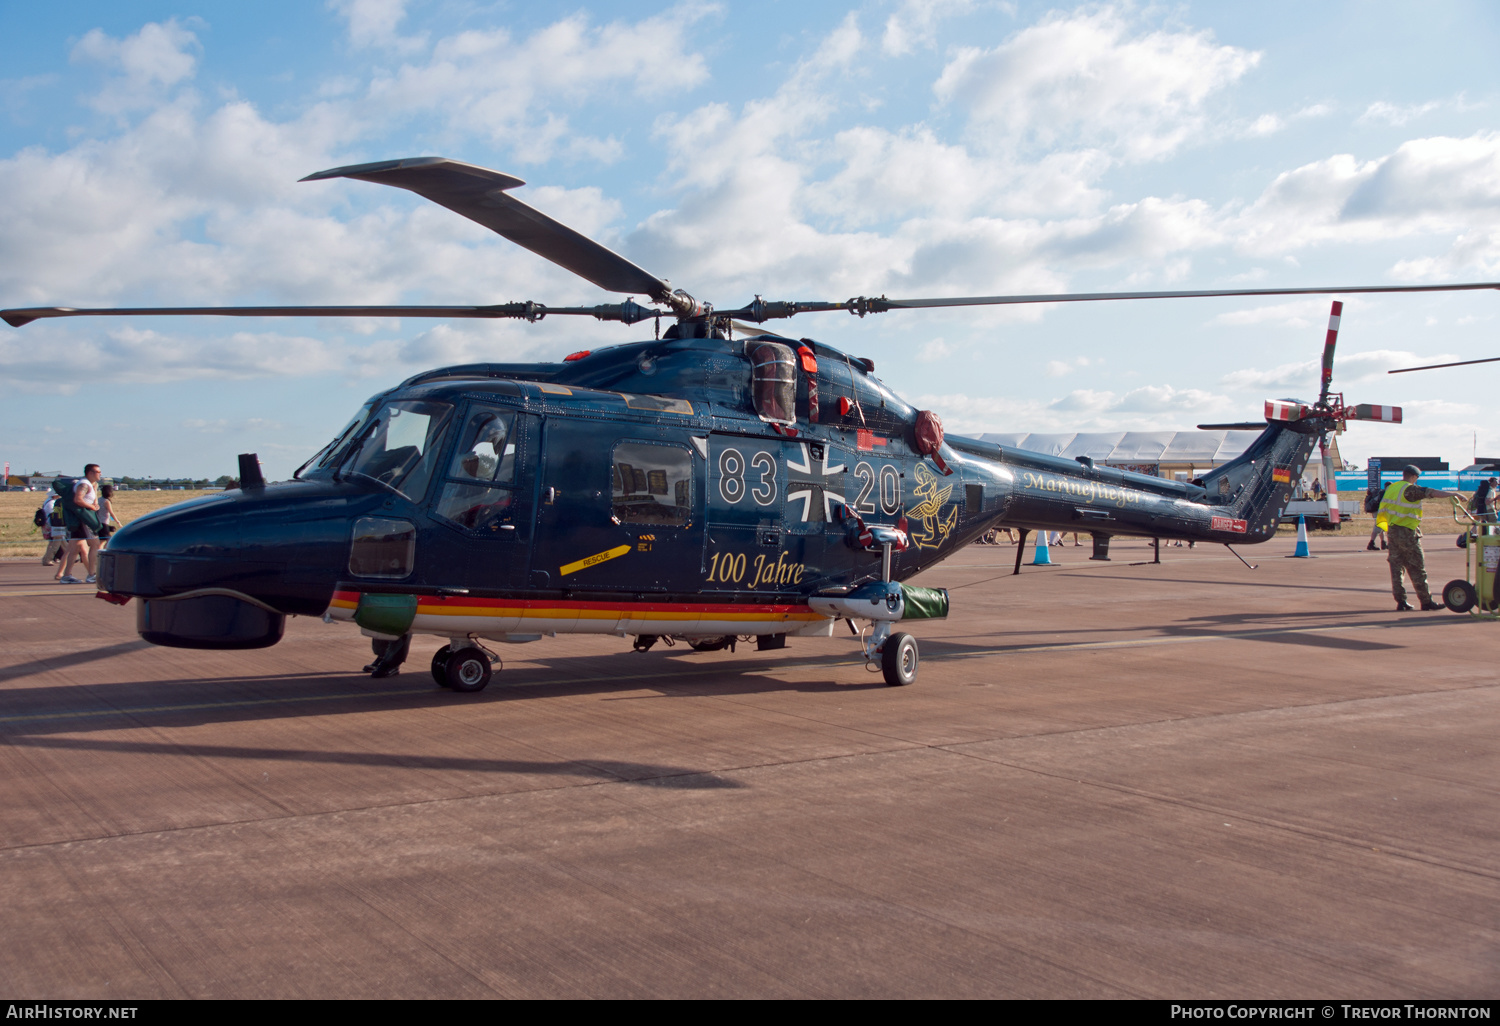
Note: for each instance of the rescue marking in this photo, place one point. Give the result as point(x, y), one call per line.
point(594, 560)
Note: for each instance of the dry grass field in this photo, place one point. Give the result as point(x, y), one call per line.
point(20, 537)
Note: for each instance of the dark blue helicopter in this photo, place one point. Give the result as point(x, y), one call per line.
point(699, 486)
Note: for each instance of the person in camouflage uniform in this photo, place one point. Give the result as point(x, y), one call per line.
point(1400, 514)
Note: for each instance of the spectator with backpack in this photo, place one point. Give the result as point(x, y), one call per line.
point(80, 505)
point(1482, 505)
point(1372, 505)
point(49, 519)
point(108, 522)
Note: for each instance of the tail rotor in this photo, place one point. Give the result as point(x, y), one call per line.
point(1332, 340)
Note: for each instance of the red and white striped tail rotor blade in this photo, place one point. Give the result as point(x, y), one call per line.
point(1332, 340)
point(1384, 414)
point(1281, 409)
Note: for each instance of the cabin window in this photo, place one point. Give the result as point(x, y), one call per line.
point(399, 446)
point(774, 382)
point(652, 484)
point(382, 547)
point(478, 495)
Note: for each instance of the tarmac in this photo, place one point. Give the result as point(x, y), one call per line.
point(1186, 780)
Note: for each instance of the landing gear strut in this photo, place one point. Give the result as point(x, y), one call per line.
point(883, 603)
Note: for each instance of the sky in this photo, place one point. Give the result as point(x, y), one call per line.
point(150, 154)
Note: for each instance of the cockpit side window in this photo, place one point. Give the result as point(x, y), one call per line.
point(774, 382)
point(486, 450)
point(479, 494)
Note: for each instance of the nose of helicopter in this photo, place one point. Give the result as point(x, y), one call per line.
point(224, 571)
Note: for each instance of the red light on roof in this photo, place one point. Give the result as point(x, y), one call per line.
point(576, 356)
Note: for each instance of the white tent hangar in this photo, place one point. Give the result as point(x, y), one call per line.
point(1170, 454)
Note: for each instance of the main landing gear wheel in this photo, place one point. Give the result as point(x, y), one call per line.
point(898, 659)
point(440, 666)
point(1460, 596)
point(468, 670)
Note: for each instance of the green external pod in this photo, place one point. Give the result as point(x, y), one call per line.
point(393, 614)
point(925, 603)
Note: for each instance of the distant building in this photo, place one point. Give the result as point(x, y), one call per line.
point(1390, 463)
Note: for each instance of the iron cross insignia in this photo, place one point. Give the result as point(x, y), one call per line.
point(808, 480)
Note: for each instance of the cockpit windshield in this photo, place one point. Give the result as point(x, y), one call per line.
point(322, 460)
point(397, 446)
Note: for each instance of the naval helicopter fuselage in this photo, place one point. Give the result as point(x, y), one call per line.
point(696, 488)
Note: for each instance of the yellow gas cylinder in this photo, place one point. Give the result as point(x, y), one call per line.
point(1487, 560)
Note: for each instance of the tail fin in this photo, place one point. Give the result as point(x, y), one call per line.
point(1254, 487)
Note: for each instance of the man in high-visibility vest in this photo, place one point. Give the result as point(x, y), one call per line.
point(1400, 516)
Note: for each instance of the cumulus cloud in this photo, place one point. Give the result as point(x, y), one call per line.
point(224, 425)
point(1059, 368)
point(1438, 185)
point(1091, 76)
point(515, 91)
point(886, 175)
point(914, 24)
point(1149, 407)
point(933, 350)
point(1476, 252)
point(140, 67)
point(1384, 113)
point(108, 351)
point(1299, 313)
point(794, 192)
point(190, 203)
point(1306, 375)
point(373, 23)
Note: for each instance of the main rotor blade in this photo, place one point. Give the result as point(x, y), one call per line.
point(1435, 366)
point(479, 194)
point(761, 310)
point(882, 304)
point(628, 311)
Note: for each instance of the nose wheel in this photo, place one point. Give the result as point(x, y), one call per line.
point(898, 660)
